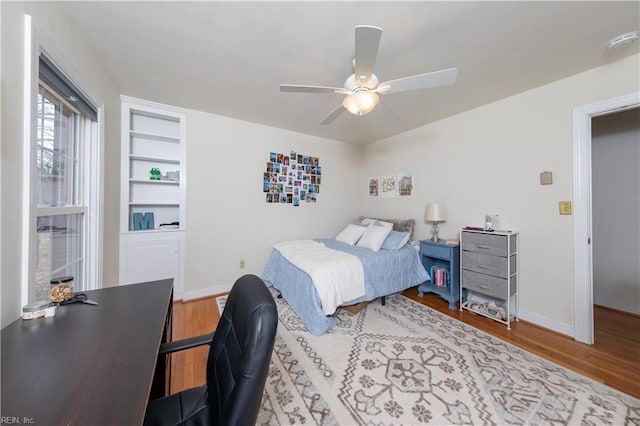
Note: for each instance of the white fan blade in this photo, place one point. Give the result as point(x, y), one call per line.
point(309, 89)
point(336, 112)
point(420, 81)
point(367, 42)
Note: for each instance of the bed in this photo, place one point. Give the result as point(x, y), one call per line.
point(385, 272)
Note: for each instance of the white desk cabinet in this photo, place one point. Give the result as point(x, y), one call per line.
point(152, 256)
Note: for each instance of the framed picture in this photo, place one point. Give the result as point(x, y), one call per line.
point(388, 186)
point(405, 185)
point(374, 187)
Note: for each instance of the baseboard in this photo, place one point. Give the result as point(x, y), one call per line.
point(206, 292)
point(618, 305)
point(541, 321)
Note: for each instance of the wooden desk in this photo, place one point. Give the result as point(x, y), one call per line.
point(88, 365)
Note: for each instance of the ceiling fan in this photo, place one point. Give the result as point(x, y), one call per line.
point(362, 87)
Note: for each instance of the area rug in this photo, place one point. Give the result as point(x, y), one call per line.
point(404, 363)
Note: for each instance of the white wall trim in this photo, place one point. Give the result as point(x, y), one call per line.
point(206, 292)
point(617, 304)
point(562, 328)
point(582, 226)
point(158, 107)
point(95, 225)
point(27, 133)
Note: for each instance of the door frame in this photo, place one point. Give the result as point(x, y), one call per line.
point(582, 220)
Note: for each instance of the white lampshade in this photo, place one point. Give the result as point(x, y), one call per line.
point(435, 213)
point(361, 103)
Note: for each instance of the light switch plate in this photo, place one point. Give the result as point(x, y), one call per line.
point(565, 207)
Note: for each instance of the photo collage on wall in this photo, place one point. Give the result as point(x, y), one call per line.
point(391, 185)
point(292, 178)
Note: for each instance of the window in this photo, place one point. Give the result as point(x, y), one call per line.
point(66, 133)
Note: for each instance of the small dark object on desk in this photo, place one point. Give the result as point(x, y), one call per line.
point(79, 298)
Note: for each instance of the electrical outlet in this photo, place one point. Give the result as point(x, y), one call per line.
point(242, 264)
point(565, 207)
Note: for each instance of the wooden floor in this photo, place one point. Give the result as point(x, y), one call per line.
point(614, 359)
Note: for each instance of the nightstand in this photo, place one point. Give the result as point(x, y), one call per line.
point(442, 262)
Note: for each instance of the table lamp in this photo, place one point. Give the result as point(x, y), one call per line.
point(435, 214)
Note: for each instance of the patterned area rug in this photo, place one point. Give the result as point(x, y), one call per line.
point(404, 363)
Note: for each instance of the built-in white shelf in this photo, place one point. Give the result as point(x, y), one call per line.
point(155, 182)
point(153, 137)
point(154, 159)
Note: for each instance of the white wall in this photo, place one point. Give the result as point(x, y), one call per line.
point(58, 32)
point(227, 217)
point(488, 160)
point(616, 210)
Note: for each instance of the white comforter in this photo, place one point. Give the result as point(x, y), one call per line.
point(337, 276)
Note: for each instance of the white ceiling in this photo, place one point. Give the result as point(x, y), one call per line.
point(229, 58)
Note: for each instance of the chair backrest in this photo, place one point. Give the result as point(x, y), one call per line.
point(240, 353)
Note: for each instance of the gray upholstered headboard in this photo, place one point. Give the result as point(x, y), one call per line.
point(400, 225)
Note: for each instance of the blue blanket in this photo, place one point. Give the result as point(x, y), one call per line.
point(385, 272)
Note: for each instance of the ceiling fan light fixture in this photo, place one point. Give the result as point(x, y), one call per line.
point(361, 102)
point(362, 88)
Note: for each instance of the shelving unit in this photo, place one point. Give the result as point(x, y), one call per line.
point(489, 274)
point(153, 137)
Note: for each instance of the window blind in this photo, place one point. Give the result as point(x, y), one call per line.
point(51, 75)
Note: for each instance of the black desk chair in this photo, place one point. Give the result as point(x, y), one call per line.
point(237, 366)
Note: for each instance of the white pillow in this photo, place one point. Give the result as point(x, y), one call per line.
point(374, 237)
point(351, 234)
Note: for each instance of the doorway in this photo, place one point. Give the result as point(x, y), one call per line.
point(583, 217)
point(615, 186)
